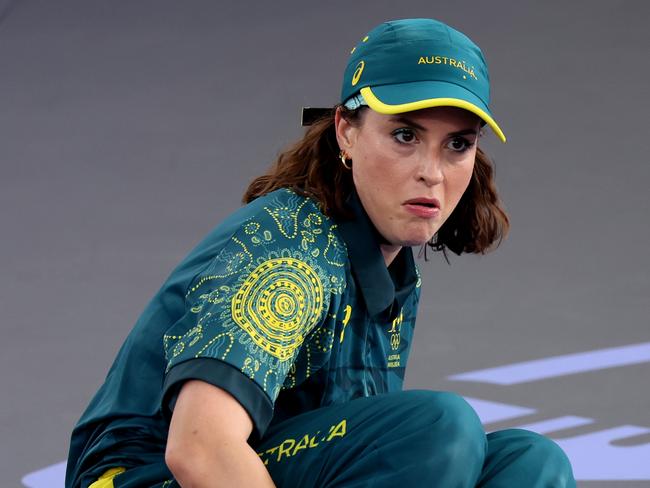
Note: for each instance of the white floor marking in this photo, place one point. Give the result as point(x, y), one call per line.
point(553, 425)
point(50, 477)
point(552, 367)
point(593, 457)
point(490, 412)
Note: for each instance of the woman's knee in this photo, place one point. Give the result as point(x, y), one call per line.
point(540, 456)
point(445, 406)
point(451, 425)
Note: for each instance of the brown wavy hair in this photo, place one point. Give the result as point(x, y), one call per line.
point(311, 167)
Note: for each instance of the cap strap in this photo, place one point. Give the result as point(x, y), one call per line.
point(355, 102)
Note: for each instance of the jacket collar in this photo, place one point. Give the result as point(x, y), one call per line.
point(384, 289)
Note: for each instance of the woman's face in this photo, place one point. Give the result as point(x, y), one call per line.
point(411, 169)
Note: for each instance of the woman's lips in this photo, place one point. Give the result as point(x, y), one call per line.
point(422, 211)
point(423, 207)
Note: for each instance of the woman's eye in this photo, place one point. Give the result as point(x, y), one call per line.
point(459, 144)
point(404, 136)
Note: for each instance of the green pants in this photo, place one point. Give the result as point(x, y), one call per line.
point(408, 439)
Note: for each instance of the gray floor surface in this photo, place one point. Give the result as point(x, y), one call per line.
point(129, 129)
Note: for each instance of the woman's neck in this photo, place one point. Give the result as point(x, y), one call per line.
point(389, 251)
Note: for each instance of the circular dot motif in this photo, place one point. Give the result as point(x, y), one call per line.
point(278, 304)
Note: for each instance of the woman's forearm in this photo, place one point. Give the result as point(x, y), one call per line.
point(206, 445)
point(234, 465)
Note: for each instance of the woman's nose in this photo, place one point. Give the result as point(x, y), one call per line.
point(430, 169)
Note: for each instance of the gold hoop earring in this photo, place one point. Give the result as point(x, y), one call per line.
point(344, 160)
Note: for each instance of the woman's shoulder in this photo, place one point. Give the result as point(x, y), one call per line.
point(279, 231)
point(294, 223)
point(289, 210)
point(286, 204)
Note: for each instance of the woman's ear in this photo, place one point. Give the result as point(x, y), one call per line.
point(345, 131)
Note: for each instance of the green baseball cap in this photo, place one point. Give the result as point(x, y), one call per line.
point(411, 64)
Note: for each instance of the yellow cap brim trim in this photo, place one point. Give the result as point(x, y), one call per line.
point(379, 106)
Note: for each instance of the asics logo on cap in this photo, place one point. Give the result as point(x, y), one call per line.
point(357, 72)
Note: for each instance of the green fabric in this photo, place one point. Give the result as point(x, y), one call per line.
point(224, 376)
point(426, 52)
point(413, 438)
point(408, 438)
point(376, 282)
point(267, 306)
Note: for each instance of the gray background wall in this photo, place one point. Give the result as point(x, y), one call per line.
point(129, 129)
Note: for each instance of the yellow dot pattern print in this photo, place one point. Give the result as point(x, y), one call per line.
point(278, 305)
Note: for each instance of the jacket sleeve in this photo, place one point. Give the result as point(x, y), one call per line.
point(249, 311)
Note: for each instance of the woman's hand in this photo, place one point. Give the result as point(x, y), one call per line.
point(207, 444)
